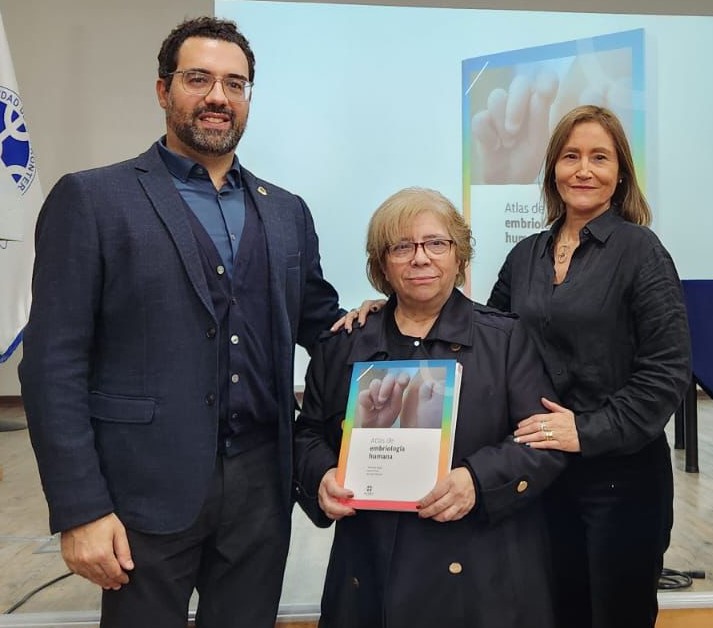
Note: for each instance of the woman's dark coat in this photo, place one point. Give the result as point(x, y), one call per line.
point(394, 570)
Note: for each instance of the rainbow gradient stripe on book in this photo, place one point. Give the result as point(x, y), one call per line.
point(397, 439)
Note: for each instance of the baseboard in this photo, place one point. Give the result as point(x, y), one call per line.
point(10, 401)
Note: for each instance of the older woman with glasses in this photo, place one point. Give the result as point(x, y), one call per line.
point(476, 552)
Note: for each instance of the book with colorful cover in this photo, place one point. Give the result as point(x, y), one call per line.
point(398, 431)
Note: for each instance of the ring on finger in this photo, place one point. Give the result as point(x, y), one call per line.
point(543, 426)
point(549, 434)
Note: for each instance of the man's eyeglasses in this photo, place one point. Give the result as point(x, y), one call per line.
point(199, 83)
point(407, 250)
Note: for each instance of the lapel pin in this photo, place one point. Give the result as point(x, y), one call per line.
point(262, 190)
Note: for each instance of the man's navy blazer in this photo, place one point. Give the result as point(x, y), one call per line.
point(120, 362)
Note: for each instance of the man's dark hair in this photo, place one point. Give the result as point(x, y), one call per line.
point(208, 27)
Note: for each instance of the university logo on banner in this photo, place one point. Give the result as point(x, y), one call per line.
point(20, 202)
point(18, 160)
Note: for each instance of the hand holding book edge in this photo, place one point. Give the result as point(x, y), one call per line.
point(452, 498)
point(331, 497)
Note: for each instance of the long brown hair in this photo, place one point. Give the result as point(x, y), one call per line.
point(628, 197)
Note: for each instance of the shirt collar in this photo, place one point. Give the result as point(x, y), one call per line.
point(184, 168)
point(599, 228)
point(604, 225)
point(453, 326)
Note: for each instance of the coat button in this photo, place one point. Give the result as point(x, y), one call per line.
point(355, 582)
point(234, 339)
point(210, 399)
point(220, 270)
point(235, 378)
point(521, 486)
point(210, 333)
point(456, 347)
point(455, 568)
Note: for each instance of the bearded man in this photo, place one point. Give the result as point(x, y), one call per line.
point(169, 291)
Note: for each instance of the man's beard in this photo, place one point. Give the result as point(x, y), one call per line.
point(205, 141)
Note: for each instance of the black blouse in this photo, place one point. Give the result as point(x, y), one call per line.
point(613, 335)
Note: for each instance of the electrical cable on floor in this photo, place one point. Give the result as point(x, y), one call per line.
point(19, 603)
point(673, 579)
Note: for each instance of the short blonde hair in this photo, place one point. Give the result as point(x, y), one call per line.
point(628, 197)
point(393, 218)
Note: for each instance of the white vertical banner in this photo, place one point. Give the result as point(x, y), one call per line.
point(20, 201)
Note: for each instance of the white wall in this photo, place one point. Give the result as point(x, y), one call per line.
point(86, 72)
point(677, 7)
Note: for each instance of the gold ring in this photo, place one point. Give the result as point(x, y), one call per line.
point(549, 434)
point(543, 426)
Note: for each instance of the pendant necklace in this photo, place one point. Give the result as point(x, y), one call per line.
point(562, 251)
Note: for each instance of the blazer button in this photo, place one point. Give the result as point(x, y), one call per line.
point(355, 582)
point(455, 568)
point(220, 270)
point(521, 486)
point(210, 399)
point(456, 347)
point(210, 333)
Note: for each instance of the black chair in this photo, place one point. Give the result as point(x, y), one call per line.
point(698, 294)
